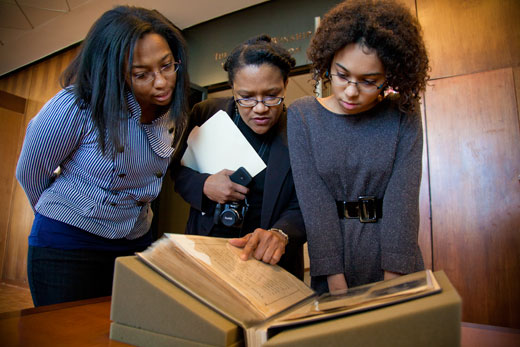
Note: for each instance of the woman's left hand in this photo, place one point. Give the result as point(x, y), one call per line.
point(265, 245)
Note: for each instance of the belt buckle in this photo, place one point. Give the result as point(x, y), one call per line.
point(347, 210)
point(367, 209)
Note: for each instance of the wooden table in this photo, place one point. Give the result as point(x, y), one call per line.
point(87, 323)
point(79, 323)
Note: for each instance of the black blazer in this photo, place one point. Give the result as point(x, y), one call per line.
point(280, 207)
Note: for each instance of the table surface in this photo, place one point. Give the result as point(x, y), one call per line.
point(80, 323)
point(87, 323)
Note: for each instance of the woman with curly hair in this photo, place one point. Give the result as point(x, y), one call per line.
point(356, 154)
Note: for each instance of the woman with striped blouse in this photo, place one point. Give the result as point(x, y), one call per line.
point(95, 156)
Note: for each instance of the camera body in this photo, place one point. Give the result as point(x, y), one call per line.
point(232, 214)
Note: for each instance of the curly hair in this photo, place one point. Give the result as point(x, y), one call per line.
point(384, 26)
point(257, 51)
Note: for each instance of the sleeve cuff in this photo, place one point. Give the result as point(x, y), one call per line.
point(399, 263)
point(326, 266)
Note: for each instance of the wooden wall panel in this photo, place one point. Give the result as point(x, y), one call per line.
point(45, 77)
point(474, 157)
point(39, 83)
point(425, 231)
point(10, 131)
point(17, 83)
point(467, 36)
point(410, 4)
point(516, 72)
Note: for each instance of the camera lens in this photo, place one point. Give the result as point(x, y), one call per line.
point(229, 217)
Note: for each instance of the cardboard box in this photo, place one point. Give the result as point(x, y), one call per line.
point(149, 310)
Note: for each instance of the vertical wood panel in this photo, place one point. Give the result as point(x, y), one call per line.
point(17, 83)
point(425, 238)
point(43, 84)
point(410, 4)
point(467, 36)
point(474, 142)
point(516, 72)
point(12, 123)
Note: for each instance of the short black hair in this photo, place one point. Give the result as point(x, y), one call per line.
point(386, 26)
point(105, 59)
point(257, 51)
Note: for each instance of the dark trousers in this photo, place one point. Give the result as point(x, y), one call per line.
point(57, 275)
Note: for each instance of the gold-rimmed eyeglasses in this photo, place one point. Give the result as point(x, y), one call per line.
point(146, 77)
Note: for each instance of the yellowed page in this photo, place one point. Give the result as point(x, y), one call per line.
point(269, 288)
point(248, 292)
point(181, 268)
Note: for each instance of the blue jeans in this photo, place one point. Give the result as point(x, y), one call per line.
point(57, 275)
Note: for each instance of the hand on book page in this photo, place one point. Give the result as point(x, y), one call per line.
point(265, 245)
point(210, 269)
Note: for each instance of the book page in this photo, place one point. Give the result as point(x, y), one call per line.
point(248, 292)
point(368, 296)
point(180, 268)
point(269, 288)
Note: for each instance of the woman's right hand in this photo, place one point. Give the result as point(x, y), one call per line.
point(337, 284)
point(219, 188)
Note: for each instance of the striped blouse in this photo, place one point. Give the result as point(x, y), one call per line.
point(107, 195)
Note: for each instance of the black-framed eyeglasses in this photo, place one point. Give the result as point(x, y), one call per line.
point(147, 77)
point(364, 86)
point(267, 101)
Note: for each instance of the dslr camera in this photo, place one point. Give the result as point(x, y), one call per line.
point(232, 213)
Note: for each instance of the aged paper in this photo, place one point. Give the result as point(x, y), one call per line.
point(267, 287)
point(248, 292)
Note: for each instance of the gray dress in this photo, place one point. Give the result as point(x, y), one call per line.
point(341, 157)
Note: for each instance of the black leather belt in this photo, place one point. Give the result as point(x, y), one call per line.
point(367, 208)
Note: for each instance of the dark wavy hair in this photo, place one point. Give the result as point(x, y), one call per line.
point(385, 26)
point(105, 59)
point(257, 51)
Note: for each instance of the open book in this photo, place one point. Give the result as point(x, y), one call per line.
point(264, 298)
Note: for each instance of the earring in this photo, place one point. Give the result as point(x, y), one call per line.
point(380, 98)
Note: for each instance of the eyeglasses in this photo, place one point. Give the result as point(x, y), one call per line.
point(363, 86)
point(267, 101)
point(147, 77)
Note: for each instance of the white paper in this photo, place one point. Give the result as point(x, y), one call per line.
point(218, 144)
